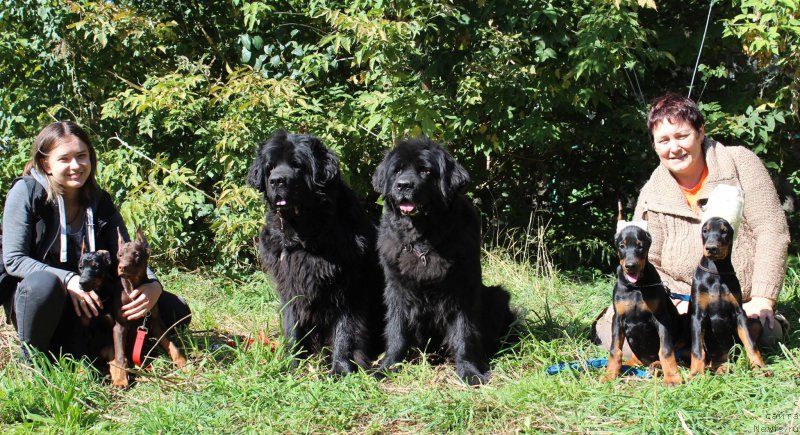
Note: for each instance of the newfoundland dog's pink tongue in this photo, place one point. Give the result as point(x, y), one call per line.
point(631, 279)
point(407, 207)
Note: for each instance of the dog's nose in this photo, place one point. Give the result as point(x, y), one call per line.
point(630, 266)
point(404, 184)
point(276, 181)
point(711, 249)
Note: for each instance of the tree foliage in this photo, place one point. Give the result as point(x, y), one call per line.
point(543, 100)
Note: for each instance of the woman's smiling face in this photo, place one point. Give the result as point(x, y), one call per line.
point(69, 164)
point(679, 147)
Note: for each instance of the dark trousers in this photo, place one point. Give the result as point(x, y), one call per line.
point(45, 318)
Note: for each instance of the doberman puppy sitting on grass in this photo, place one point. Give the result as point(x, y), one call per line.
point(643, 311)
point(132, 270)
point(94, 332)
point(715, 307)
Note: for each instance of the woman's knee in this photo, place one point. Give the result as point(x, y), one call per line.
point(41, 287)
point(38, 308)
point(174, 310)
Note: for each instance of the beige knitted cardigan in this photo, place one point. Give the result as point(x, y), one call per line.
point(760, 249)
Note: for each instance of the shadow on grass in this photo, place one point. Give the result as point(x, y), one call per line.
point(546, 326)
point(223, 347)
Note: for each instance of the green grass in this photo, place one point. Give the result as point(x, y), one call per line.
point(228, 389)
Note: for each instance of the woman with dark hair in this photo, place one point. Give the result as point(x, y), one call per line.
point(50, 213)
point(692, 164)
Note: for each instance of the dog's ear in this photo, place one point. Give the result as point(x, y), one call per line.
point(326, 166)
point(120, 240)
point(257, 175)
point(648, 239)
point(379, 178)
point(105, 256)
point(453, 178)
point(140, 238)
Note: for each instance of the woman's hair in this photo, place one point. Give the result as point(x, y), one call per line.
point(49, 138)
point(673, 108)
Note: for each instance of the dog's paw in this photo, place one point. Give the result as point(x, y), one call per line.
point(385, 370)
point(763, 372)
point(608, 377)
point(180, 362)
point(119, 376)
point(672, 380)
point(694, 373)
point(472, 376)
point(342, 368)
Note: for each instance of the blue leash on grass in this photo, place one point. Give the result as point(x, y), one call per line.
point(594, 363)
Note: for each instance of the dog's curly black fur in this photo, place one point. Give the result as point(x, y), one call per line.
point(429, 247)
point(319, 245)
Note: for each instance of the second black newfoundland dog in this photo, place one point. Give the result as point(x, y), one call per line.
point(429, 246)
point(319, 245)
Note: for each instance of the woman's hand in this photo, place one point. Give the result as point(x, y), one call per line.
point(84, 302)
point(760, 308)
point(143, 299)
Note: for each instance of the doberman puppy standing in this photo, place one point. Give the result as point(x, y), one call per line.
point(715, 308)
point(132, 270)
point(643, 311)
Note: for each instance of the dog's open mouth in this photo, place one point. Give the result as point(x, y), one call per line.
point(280, 202)
point(408, 208)
point(631, 278)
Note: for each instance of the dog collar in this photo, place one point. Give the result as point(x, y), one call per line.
point(705, 269)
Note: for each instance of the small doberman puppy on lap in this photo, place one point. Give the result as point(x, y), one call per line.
point(715, 307)
point(643, 311)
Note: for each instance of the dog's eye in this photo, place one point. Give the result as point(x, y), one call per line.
point(425, 171)
point(621, 246)
point(294, 164)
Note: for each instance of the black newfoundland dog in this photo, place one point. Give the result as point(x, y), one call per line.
point(429, 246)
point(319, 245)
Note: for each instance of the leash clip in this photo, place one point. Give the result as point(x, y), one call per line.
point(144, 322)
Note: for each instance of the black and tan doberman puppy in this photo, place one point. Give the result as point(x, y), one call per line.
point(715, 308)
point(643, 311)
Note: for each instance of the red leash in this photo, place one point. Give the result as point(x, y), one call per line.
point(141, 334)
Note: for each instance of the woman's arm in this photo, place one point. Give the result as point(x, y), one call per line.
point(18, 236)
point(766, 218)
point(764, 215)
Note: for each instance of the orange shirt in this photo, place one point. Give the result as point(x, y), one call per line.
point(693, 194)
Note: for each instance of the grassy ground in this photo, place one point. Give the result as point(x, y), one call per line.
point(228, 389)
